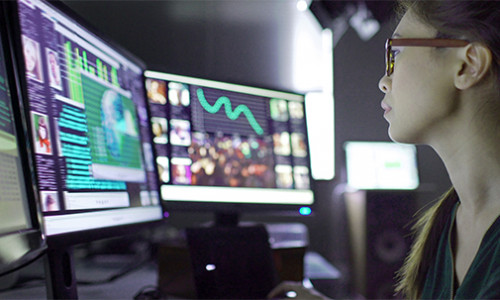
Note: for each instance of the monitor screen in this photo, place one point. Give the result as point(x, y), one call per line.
point(89, 124)
point(19, 233)
point(228, 146)
point(381, 166)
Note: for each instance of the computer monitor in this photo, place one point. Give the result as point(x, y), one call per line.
point(381, 165)
point(229, 148)
point(20, 237)
point(88, 124)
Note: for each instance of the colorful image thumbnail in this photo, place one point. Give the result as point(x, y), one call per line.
point(301, 177)
point(296, 110)
point(54, 69)
point(32, 59)
point(50, 201)
point(163, 168)
point(282, 143)
point(180, 132)
point(299, 145)
point(279, 110)
point(284, 176)
point(160, 130)
point(41, 128)
point(178, 94)
point(157, 91)
point(181, 170)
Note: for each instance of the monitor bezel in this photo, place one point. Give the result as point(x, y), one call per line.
point(89, 235)
point(235, 208)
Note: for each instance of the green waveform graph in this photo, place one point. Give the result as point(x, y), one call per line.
point(230, 113)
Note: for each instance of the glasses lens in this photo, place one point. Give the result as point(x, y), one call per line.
point(389, 63)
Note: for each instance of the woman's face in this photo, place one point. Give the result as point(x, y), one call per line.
point(419, 94)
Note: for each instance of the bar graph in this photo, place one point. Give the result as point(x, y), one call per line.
point(78, 61)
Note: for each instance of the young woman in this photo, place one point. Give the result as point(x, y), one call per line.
point(442, 89)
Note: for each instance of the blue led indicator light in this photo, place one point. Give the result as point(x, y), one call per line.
point(305, 211)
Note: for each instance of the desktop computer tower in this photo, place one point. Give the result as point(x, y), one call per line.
point(379, 232)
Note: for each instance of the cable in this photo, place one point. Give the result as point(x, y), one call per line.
point(149, 292)
point(25, 261)
point(126, 270)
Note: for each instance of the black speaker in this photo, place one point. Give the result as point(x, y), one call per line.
point(380, 227)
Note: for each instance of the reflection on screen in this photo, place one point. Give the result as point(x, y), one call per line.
point(90, 125)
point(13, 213)
point(220, 142)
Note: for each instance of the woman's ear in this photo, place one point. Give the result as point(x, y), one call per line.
point(476, 61)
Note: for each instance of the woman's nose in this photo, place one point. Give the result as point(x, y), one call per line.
point(384, 84)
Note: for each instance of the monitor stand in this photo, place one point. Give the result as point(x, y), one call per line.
point(60, 274)
point(226, 219)
point(230, 260)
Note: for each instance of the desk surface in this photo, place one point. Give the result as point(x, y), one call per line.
point(90, 270)
point(126, 287)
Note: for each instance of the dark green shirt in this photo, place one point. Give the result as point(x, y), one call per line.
point(482, 280)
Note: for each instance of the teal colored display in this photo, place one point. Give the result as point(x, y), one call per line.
point(113, 126)
point(231, 114)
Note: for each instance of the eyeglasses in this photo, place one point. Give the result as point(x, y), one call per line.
point(389, 55)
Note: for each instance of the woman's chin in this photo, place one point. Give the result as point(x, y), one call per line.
point(399, 137)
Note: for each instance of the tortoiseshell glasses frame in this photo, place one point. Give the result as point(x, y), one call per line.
point(423, 42)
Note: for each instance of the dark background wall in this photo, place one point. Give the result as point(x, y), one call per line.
point(236, 41)
point(250, 42)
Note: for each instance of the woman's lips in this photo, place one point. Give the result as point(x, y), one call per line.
point(385, 107)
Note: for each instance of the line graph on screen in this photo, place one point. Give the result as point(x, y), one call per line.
point(228, 109)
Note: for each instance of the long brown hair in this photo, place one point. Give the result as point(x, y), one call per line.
point(475, 21)
point(427, 230)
